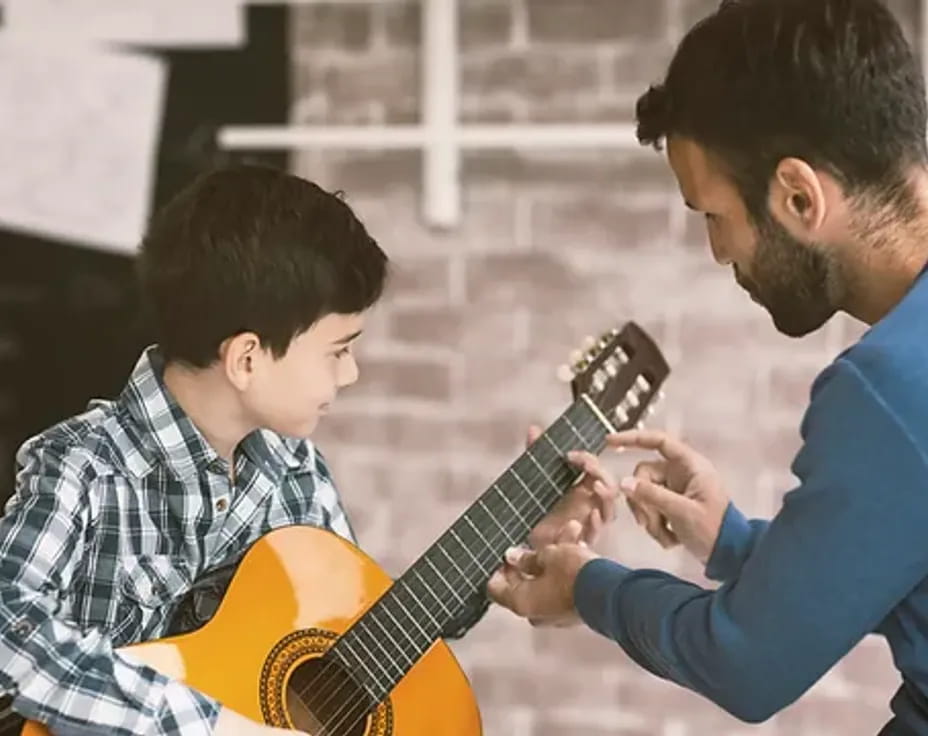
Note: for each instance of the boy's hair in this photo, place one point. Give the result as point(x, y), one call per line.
point(249, 248)
point(832, 82)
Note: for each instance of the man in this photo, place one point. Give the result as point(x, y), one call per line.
point(258, 284)
point(797, 128)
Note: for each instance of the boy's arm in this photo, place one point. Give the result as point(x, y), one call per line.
point(70, 679)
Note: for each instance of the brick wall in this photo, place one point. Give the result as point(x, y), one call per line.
point(461, 355)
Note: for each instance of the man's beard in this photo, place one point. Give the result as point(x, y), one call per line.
point(790, 279)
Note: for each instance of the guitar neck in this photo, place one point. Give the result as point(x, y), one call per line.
point(437, 589)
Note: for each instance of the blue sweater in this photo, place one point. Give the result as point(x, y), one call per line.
point(846, 555)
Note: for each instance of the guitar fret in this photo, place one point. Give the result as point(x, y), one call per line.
point(416, 647)
point(344, 644)
point(539, 504)
point(467, 549)
point(432, 592)
point(361, 628)
point(478, 534)
point(509, 504)
point(404, 585)
point(456, 567)
point(577, 432)
point(493, 518)
point(547, 477)
point(440, 577)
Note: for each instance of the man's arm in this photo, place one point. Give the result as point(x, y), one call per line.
point(737, 539)
point(69, 679)
point(845, 549)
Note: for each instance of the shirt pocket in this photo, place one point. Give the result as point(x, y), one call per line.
point(150, 587)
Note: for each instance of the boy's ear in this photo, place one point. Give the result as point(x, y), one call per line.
point(240, 356)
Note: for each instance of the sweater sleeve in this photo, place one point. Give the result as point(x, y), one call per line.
point(846, 547)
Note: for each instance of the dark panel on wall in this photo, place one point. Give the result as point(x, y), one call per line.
point(70, 325)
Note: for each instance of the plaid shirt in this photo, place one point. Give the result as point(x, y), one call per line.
point(117, 512)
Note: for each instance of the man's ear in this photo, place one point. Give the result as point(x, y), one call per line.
point(797, 198)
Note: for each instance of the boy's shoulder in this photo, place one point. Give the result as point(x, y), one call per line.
point(101, 441)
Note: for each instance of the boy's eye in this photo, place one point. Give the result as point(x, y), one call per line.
point(343, 351)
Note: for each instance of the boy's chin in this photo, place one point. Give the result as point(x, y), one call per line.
point(301, 431)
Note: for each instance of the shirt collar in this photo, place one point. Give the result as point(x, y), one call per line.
point(170, 435)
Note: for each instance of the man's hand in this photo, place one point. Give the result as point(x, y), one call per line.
point(591, 502)
point(539, 584)
point(679, 497)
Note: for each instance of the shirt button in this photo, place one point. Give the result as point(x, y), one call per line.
point(23, 628)
point(221, 505)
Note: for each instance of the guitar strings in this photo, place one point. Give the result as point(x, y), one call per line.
point(338, 719)
point(352, 707)
point(558, 458)
point(586, 422)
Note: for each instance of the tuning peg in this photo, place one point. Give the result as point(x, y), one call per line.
point(565, 373)
point(639, 425)
point(589, 342)
point(575, 356)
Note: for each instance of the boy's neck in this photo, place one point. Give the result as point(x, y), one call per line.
point(212, 406)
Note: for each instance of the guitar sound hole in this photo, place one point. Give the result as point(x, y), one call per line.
point(323, 700)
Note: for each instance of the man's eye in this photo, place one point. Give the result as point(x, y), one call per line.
point(344, 351)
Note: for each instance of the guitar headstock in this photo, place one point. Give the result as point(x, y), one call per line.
point(621, 373)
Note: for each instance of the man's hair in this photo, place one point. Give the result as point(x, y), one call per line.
point(249, 248)
point(832, 82)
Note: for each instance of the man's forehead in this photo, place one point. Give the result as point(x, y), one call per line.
point(698, 176)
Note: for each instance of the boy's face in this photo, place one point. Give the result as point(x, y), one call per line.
point(290, 394)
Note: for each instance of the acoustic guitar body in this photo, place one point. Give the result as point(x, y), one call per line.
point(295, 592)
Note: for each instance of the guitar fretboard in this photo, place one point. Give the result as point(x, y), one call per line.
point(436, 590)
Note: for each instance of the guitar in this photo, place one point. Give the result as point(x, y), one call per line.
point(312, 634)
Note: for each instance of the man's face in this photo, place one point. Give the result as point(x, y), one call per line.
point(786, 276)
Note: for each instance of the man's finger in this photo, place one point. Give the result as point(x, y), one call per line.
point(653, 439)
point(606, 498)
point(534, 432)
point(593, 528)
point(524, 561)
point(636, 510)
point(648, 493)
point(653, 521)
point(511, 589)
point(591, 465)
point(503, 585)
point(662, 534)
point(652, 470)
point(570, 533)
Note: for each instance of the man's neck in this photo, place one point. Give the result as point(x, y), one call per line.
point(884, 264)
point(211, 405)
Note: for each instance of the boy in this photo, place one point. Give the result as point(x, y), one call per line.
point(257, 283)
